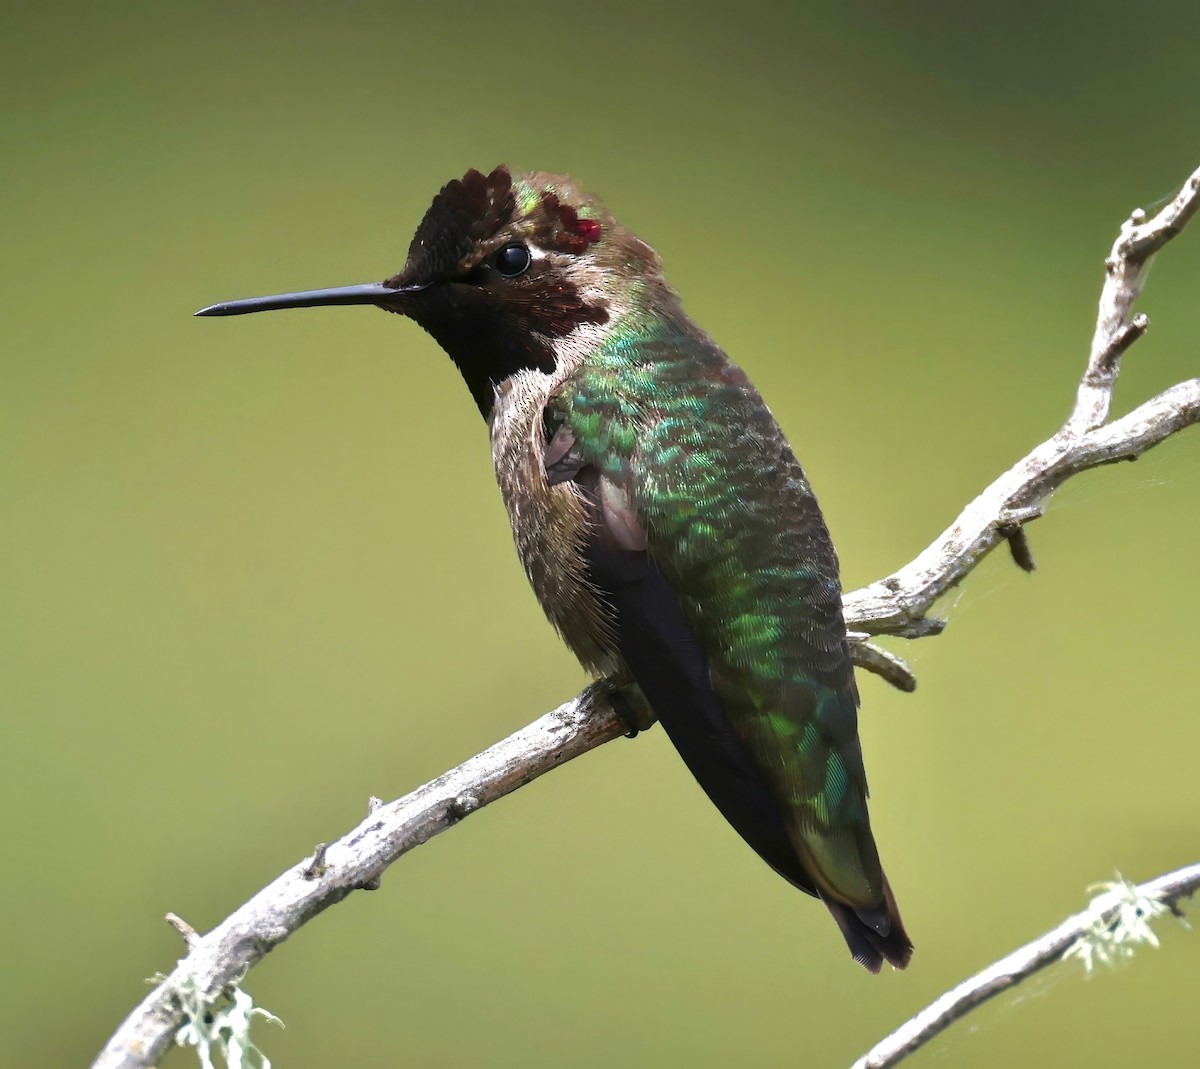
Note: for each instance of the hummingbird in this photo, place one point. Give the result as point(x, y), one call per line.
point(666, 527)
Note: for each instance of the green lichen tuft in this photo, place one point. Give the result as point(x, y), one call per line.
point(222, 1027)
point(1121, 925)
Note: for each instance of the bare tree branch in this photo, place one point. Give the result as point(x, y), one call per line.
point(897, 605)
point(1114, 923)
point(221, 957)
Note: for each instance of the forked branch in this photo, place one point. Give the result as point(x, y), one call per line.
point(896, 605)
point(899, 604)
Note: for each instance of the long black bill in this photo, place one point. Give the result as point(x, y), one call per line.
point(368, 293)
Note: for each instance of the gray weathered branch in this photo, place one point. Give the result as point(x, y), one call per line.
point(896, 605)
point(1112, 925)
point(899, 604)
point(356, 861)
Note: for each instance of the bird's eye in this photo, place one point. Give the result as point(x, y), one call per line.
point(512, 260)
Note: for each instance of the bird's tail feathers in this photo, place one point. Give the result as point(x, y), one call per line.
point(873, 935)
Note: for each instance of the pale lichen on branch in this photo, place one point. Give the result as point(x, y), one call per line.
point(1113, 926)
point(898, 604)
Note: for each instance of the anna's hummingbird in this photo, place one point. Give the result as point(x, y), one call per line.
point(659, 512)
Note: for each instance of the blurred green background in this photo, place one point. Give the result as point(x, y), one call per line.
point(253, 571)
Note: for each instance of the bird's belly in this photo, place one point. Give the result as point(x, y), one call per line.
point(550, 528)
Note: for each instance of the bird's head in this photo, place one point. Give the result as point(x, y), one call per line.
point(507, 272)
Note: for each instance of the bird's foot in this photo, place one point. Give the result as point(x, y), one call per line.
point(631, 706)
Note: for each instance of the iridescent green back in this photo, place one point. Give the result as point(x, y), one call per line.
point(733, 525)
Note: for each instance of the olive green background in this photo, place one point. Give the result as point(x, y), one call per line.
point(255, 570)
